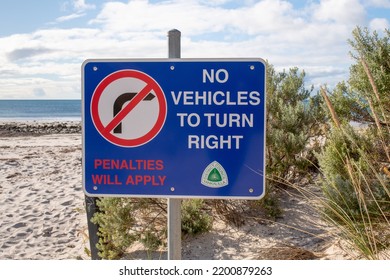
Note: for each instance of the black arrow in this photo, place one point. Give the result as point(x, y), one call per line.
point(121, 100)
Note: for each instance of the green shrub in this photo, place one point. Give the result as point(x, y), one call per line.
point(122, 221)
point(294, 119)
point(194, 219)
point(151, 240)
point(115, 221)
point(354, 163)
point(351, 173)
point(357, 194)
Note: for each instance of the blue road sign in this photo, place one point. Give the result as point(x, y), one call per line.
point(180, 128)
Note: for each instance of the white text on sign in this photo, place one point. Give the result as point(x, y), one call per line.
point(218, 120)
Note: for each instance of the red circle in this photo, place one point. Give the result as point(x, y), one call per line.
point(128, 73)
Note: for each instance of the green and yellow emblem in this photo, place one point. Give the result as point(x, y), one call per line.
point(214, 176)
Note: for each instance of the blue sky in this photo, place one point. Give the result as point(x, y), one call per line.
point(43, 43)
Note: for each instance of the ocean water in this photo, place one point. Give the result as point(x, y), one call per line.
point(40, 110)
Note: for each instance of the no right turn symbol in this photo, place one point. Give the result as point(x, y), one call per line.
point(128, 108)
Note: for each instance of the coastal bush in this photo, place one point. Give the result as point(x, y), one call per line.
point(115, 219)
point(354, 163)
point(123, 221)
point(194, 219)
point(295, 119)
point(151, 222)
point(357, 193)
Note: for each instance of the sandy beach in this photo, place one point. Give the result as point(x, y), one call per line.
point(42, 214)
point(41, 197)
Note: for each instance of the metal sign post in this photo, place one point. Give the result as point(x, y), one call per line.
point(174, 204)
point(93, 229)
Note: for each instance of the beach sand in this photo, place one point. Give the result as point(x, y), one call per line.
point(42, 210)
point(41, 199)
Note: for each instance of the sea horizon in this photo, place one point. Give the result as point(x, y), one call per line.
point(40, 109)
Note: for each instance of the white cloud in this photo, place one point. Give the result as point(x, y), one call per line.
point(379, 24)
point(77, 6)
point(341, 11)
point(136, 16)
point(215, 2)
point(70, 17)
point(379, 3)
point(80, 5)
point(194, 17)
point(22, 53)
point(267, 16)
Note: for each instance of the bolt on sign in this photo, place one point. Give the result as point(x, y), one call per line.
point(182, 128)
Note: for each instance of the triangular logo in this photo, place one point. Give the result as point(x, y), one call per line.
point(214, 176)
